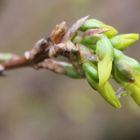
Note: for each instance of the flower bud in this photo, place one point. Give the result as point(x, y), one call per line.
point(109, 95)
point(71, 71)
point(124, 59)
point(91, 74)
point(123, 41)
point(127, 72)
point(91, 37)
point(90, 24)
point(122, 67)
point(111, 30)
point(90, 41)
point(104, 52)
point(105, 91)
point(93, 23)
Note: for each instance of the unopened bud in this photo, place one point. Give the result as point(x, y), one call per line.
point(91, 74)
point(93, 23)
point(90, 24)
point(104, 52)
point(111, 30)
point(105, 91)
point(123, 41)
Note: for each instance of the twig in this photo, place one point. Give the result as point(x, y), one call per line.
point(58, 43)
point(18, 63)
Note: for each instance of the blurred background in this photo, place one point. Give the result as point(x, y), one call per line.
point(41, 105)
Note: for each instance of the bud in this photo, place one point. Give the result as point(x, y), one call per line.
point(105, 91)
point(90, 41)
point(71, 72)
point(124, 59)
point(91, 37)
point(123, 41)
point(104, 52)
point(91, 74)
point(122, 67)
point(127, 72)
point(93, 23)
point(109, 95)
point(111, 30)
point(90, 24)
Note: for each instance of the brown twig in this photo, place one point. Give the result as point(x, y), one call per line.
point(58, 43)
point(39, 52)
point(18, 63)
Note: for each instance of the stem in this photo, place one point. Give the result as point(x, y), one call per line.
point(57, 44)
point(18, 63)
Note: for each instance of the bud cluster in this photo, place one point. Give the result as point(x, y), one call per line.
point(95, 51)
point(105, 44)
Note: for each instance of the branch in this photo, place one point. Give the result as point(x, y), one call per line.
point(57, 44)
point(80, 45)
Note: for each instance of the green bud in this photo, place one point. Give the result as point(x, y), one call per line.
point(91, 74)
point(124, 59)
point(127, 72)
point(124, 72)
point(64, 68)
point(71, 71)
point(104, 52)
point(90, 40)
point(105, 91)
point(133, 90)
point(126, 68)
point(122, 67)
point(123, 41)
point(109, 95)
point(111, 30)
point(93, 23)
point(91, 37)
